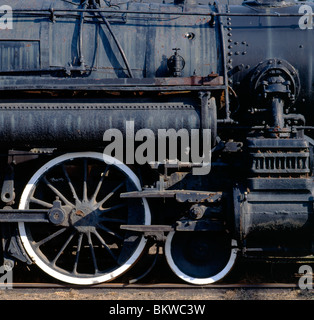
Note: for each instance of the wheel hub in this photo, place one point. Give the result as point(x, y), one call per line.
point(200, 251)
point(84, 218)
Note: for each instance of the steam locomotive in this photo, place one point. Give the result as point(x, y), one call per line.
point(178, 122)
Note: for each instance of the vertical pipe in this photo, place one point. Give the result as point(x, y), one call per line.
point(115, 40)
point(277, 113)
point(224, 61)
point(81, 57)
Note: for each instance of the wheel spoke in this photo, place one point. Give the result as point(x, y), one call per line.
point(41, 202)
point(99, 184)
point(78, 250)
point(90, 243)
point(110, 232)
point(62, 249)
point(105, 245)
point(85, 182)
point(57, 192)
point(105, 219)
point(116, 207)
point(70, 183)
point(55, 234)
point(109, 195)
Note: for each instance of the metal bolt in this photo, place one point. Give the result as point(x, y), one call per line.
point(189, 35)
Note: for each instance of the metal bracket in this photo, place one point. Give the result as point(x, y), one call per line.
point(56, 214)
point(157, 232)
point(199, 225)
point(12, 247)
point(7, 192)
point(209, 114)
point(52, 15)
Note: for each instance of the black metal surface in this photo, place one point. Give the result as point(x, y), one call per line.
point(274, 156)
point(265, 33)
point(164, 65)
point(12, 246)
point(109, 50)
point(49, 123)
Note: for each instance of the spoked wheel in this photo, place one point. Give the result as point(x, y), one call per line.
point(88, 247)
point(200, 257)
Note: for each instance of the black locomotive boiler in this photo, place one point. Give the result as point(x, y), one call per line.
point(88, 87)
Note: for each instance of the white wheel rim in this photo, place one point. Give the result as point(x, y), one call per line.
point(39, 262)
point(199, 281)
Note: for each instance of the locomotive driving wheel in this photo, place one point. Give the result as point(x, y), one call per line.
point(86, 245)
point(200, 257)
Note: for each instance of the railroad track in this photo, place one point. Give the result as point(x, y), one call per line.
point(248, 276)
point(154, 286)
point(154, 299)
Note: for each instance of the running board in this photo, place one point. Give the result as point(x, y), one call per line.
point(179, 195)
point(181, 225)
